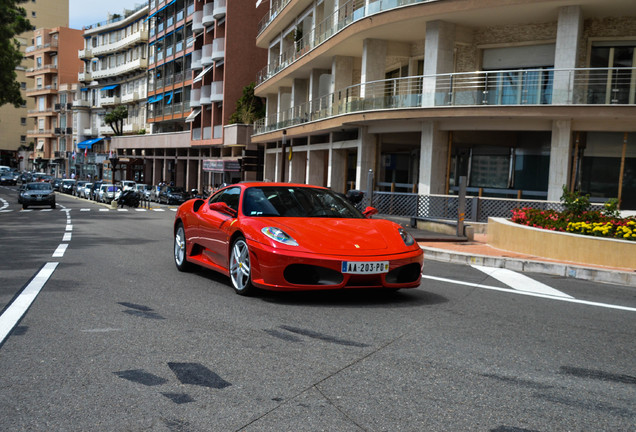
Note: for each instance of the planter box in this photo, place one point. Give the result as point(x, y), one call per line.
point(574, 248)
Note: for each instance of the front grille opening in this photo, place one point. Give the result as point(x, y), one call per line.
point(304, 274)
point(404, 274)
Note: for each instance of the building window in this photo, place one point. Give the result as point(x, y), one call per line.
point(23, 121)
point(33, 14)
point(22, 138)
point(23, 85)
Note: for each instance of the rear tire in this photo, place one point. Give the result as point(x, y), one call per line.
point(180, 250)
point(240, 268)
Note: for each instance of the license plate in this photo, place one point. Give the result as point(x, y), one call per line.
point(356, 267)
point(39, 198)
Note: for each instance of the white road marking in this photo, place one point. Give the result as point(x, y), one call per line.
point(530, 294)
point(85, 209)
point(520, 282)
point(46, 210)
point(140, 210)
point(67, 237)
point(158, 210)
point(104, 209)
point(122, 209)
point(5, 204)
point(59, 252)
point(69, 227)
point(16, 310)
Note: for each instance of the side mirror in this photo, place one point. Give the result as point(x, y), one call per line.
point(222, 207)
point(370, 211)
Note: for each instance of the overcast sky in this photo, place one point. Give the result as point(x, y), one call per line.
point(86, 12)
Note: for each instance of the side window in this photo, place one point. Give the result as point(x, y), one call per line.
point(229, 196)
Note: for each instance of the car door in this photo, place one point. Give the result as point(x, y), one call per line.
point(215, 227)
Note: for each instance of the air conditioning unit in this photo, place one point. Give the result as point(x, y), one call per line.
point(58, 131)
point(58, 107)
point(69, 105)
point(69, 131)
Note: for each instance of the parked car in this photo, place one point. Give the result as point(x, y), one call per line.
point(108, 192)
point(79, 184)
point(25, 177)
point(173, 195)
point(37, 194)
point(127, 184)
point(67, 186)
point(285, 237)
point(56, 183)
point(143, 190)
point(95, 189)
point(85, 190)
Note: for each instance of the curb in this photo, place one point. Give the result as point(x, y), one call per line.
point(515, 264)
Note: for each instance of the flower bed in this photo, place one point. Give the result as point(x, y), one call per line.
point(587, 223)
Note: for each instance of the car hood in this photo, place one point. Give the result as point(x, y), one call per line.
point(37, 192)
point(340, 236)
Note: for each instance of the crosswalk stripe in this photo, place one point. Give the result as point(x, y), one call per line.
point(520, 282)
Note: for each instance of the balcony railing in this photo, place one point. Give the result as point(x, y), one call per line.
point(50, 68)
point(50, 44)
point(351, 11)
point(598, 86)
point(208, 14)
point(140, 63)
point(274, 10)
point(138, 37)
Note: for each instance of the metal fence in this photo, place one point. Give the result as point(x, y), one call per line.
point(445, 207)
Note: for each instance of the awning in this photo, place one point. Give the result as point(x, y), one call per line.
point(151, 99)
point(110, 87)
point(193, 115)
point(158, 98)
point(40, 145)
point(88, 143)
point(169, 96)
point(150, 16)
point(202, 74)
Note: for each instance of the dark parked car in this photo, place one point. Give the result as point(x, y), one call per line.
point(173, 195)
point(37, 194)
point(57, 184)
point(67, 186)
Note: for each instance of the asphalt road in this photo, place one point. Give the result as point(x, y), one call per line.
point(118, 340)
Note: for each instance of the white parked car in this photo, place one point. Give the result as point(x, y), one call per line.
point(144, 190)
point(85, 191)
point(108, 192)
point(128, 184)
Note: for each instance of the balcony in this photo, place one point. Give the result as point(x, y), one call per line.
point(52, 88)
point(206, 55)
point(138, 64)
point(84, 76)
point(220, 8)
point(105, 130)
point(41, 112)
point(130, 97)
point(136, 38)
point(81, 104)
point(131, 127)
point(545, 87)
point(197, 22)
point(48, 68)
point(109, 100)
point(85, 54)
point(51, 45)
point(196, 60)
point(208, 14)
point(216, 92)
point(195, 97)
point(218, 49)
point(206, 91)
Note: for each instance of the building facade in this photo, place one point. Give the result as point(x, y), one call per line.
point(522, 98)
point(54, 65)
point(114, 61)
point(201, 56)
point(13, 121)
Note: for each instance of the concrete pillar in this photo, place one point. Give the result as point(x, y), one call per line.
point(560, 156)
point(341, 78)
point(298, 167)
point(337, 169)
point(316, 90)
point(300, 92)
point(433, 159)
point(569, 34)
point(316, 167)
point(373, 65)
point(438, 57)
point(284, 103)
point(367, 155)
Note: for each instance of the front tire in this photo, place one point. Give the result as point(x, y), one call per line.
point(180, 258)
point(240, 268)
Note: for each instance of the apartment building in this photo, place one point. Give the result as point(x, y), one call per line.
point(521, 98)
point(201, 56)
point(114, 61)
point(13, 121)
point(54, 65)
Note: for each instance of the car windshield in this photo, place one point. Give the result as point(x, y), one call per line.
point(294, 201)
point(112, 189)
point(39, 186)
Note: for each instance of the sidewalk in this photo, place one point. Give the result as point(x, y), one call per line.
point(448, 248)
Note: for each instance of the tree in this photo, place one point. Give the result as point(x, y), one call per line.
point(115, 119)
point(249, 108)
point(14, 22)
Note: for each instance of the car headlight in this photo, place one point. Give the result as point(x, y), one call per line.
point(279, 236)
point(406, 237)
